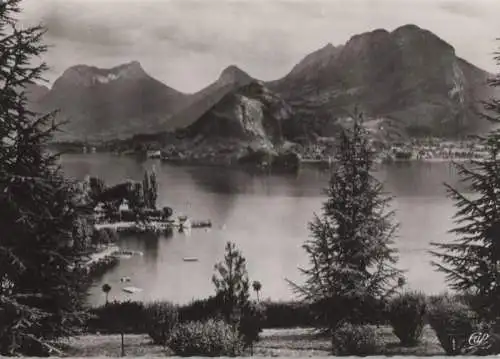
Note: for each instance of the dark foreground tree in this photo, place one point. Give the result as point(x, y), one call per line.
point(43, 232)
point(352, 260)
point(471, 261)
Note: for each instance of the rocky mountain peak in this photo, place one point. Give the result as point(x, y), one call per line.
point(133, 68)
point(85, 75)
point(233, 74)
point(409, 75)
point(249, 113)
point(317, 59)
point(410, 34)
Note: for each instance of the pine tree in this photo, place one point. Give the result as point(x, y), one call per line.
point(352, 262)
point(232, 283)
point(44, 231)
point(471, 261)
point(153, 185)
point(149, 190)
point(96, 187)
point(146, 190)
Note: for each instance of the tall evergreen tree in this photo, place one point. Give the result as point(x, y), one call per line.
point(149, 190)
point(44, 234)
point(146, 190)
point(231, 283)
point(350, 250)
point(471, 261)
point(153, 186)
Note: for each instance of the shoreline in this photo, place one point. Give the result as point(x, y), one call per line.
point(225, 164)
point(423, 160)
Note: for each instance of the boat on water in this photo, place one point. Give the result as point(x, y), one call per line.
point(132, 290)
point(184, 223)
point(153, 154)
point(190, 259)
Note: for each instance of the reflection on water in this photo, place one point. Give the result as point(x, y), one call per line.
point(266, 216)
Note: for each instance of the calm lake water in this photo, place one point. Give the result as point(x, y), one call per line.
point(266, 216)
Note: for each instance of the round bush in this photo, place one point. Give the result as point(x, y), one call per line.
point(210, 338)
point(354, 340)
point(406, 314)
point(161, 318)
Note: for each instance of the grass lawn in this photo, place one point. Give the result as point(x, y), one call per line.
point(274, 342)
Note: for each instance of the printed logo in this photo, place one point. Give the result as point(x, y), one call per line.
point(479, 339)
point(479, 343)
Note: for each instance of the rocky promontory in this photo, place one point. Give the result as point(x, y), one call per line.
point(250, 125)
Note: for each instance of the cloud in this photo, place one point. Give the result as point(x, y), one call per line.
point(187, 43)
point(81, 31)
point(461, 8)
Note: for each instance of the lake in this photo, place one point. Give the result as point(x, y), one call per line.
point(266, 216)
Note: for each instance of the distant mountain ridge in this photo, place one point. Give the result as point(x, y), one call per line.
point(409, 78)
point(101, 104)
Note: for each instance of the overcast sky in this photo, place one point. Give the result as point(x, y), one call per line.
point(186, 44)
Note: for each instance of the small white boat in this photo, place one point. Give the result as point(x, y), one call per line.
point(132, 290)
point(184, 223)
point(190, 259)
point(154, 154)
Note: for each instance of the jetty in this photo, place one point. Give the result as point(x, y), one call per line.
point(102, 255)
point(153, 226)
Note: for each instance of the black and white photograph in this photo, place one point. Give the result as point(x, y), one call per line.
point(237, 178)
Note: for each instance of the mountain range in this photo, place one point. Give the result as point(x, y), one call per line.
point(409, 79)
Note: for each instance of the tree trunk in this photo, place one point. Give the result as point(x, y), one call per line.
point(123, 345)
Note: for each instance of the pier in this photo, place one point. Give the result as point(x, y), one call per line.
point(153, 226)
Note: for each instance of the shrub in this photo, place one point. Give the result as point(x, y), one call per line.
point(161, 317)
point(117, 316)
point(288, 314)
point(201, 310)
point(251, 323)
point(406, 314)
point(354, 340)
point(452, 320)
point(210, 338)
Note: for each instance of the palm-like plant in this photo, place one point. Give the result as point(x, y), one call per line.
point(106, 288)
point(257, 286)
